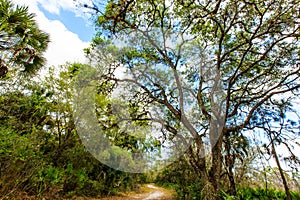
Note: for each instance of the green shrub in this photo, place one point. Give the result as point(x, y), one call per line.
point(180, 177)
point(248, 193)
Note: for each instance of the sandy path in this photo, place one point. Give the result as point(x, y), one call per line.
point(147, 192)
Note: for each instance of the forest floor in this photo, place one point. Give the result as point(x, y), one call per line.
point(146, 192)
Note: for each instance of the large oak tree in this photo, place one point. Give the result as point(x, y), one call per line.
point(208, 65)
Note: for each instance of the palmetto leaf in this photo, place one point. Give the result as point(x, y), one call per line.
point(22, 43)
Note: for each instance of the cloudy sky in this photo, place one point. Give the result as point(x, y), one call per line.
point(70, 30)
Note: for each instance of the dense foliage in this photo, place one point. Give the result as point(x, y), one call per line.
point(41, 153)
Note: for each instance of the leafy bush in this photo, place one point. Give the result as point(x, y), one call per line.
point(180, 177)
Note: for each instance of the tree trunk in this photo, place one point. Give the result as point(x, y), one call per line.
point(232, 188)
point(286, 188)
point(215, 171)
point(211, 178)
point(198, 162)
point(229, 163)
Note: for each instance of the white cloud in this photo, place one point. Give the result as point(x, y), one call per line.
point(55, 6)
point(65, 46)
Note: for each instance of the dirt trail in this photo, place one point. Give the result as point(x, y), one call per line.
point(146, 192)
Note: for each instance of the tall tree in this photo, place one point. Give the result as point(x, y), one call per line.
point(208, 65)
point(22, 43)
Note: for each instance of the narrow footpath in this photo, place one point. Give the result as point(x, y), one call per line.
point(146, 192)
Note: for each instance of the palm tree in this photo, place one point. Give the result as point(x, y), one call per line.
point(22, 43)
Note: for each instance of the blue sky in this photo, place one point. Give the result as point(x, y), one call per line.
point(82, 27)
